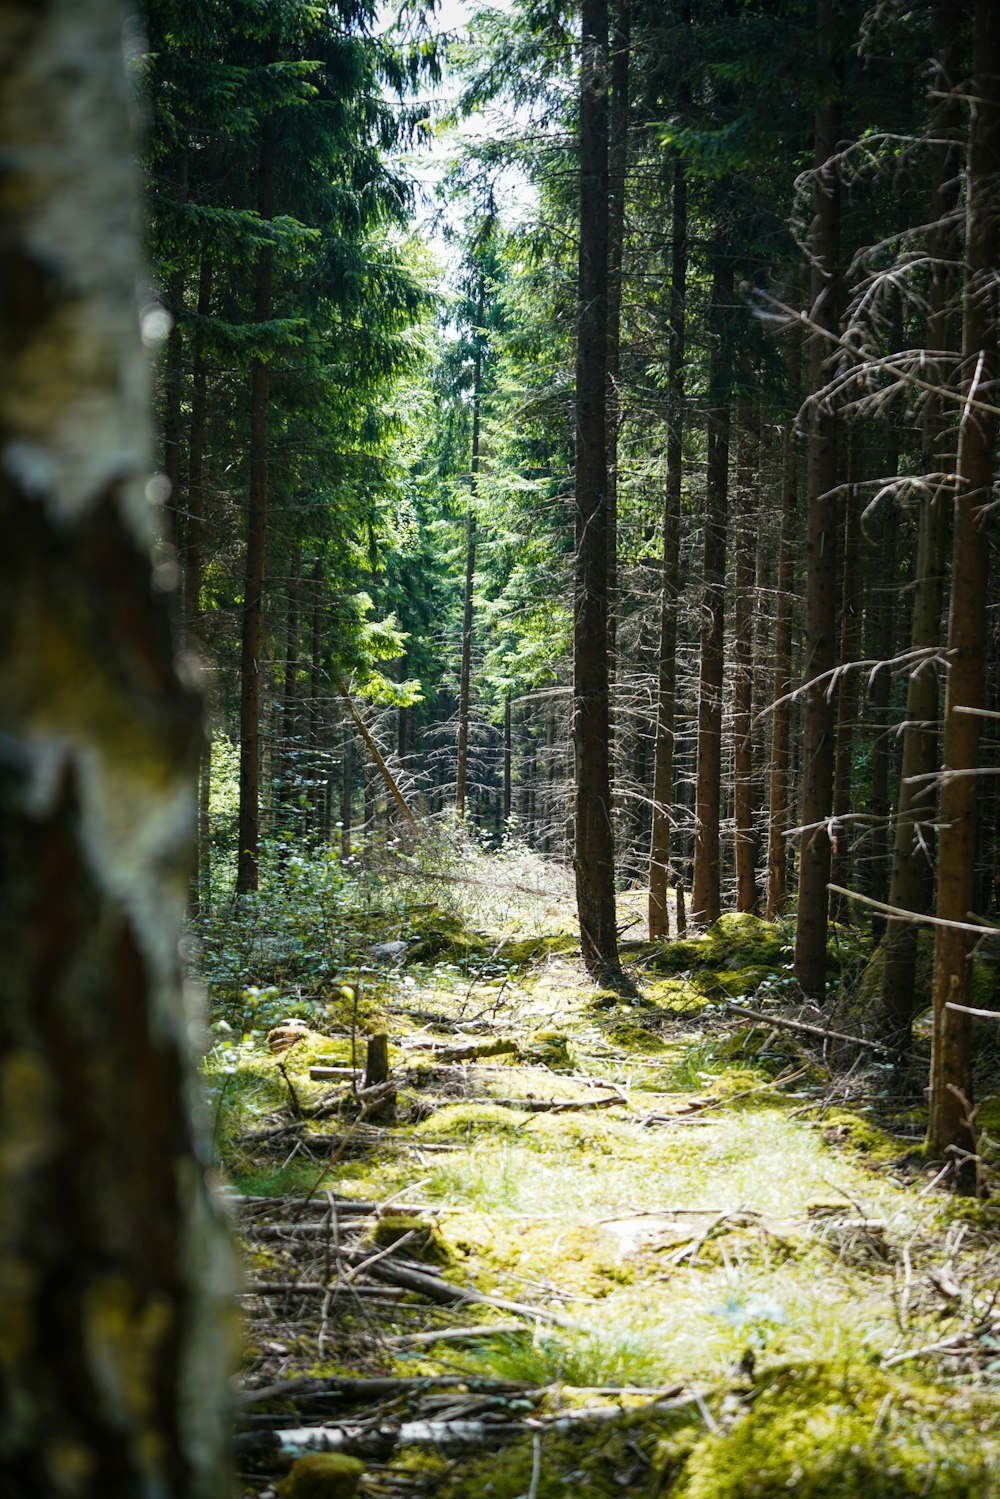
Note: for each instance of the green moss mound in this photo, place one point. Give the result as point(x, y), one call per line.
point(632, 1036)
point(735, 942)
point(439, 937)
point(472, 1119)
point(820, 1435)
point(323, 1475)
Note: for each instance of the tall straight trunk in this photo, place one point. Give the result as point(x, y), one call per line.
point(707, 878)
point(621, 41)
point(346, 792)
point(779, 812)
point(951, 1072)
point(117, 1284)
point(744, 579)
point(253, 581)
point(912, 877)
point(848, 695)
point(290, 757)
point(666, 678)
point(201, 882)
point(465, 675)
point(822, 594)
point(193, 571)
point(318, 818)
point(594, 841)
point(173, 384)
point(508, 753)
point(884, 649)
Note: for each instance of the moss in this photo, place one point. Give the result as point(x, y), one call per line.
point(472, 1119)
point(439, 937)
point(631, 1035)
point(323, 1475)
point(736, 941)
point(675, 994)
point(525, 951)
point(843, 1128)
point(551, 1048)
point(825, 1435)
point(423, 1242)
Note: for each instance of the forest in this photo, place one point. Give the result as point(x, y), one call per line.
point(498, 749)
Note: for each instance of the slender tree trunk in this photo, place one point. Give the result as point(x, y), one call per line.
point(253, 585)
point(465, 679)
point(318, 779)
point(779, 812)
point(290, 758)
point(508, 755)
point(822, 593)
point(621, 41)
point(594, 841)
point(346, 793)
point(911, 883)
point(666, 683)
point(744, 578)
point(885, 649)
point(951, 1072)
point(115, 1296)
point(848, 694)
point(193, 570)
point(706, 883)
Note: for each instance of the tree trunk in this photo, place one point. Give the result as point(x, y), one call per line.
point(822, 593)
point(117, 1272)
point(848, 694)
point(465, 680)
point(911, 882)
point(621, 41)
point(594, 841)
point(508, 754)
point(291, 759)
point(951, 1072)
point(193, 569)
point(706, 882)
point(253, 585)
point(318, 779)
point(779, 813)
point(745, 573)
point(666, 683)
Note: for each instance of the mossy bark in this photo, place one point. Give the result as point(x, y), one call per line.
point(115, 1330)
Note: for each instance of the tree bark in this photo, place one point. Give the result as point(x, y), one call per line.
point(911, 881)
point(951, 1070)
point(848, 694)
point(707, 878)
point(253, 584)
point(594, 841)
point(465, 676)
point(666, 683)
point(821, 481)
point(744, 577)
point(117, 1271)
point(621, 41)
point(779, 812)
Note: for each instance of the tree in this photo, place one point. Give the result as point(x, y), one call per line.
point(115, 1294)
point(594, 847)
point(821, 497)
point(949, 1125)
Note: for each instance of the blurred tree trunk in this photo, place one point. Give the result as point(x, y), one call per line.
point(117, 1272)
point(744, 580)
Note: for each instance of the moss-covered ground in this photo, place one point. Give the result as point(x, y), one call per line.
point(713, 1267)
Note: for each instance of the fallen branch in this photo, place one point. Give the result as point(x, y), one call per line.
point(781, 1024)
point(370, 1440)
point(471, 1050)
point(373, 750)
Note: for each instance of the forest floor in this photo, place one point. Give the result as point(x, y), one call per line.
point(581, 1246)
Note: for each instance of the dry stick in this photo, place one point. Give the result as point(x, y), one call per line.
point(880, 905)
point(807, 1030)
point(436, 1288)
point(456, 1334)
